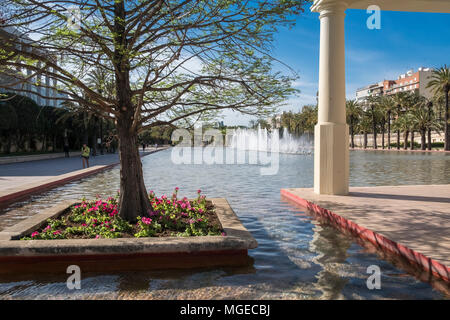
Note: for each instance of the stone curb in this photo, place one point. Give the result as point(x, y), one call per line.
point(237, 239)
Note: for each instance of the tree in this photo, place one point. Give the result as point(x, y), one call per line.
point(401, 100)
point(374, 112)
point(354, 112)
point(387, 106)
point(365, 125)
point(440, 84)
point(146, 47)
point(403, 124)
point(422, 119)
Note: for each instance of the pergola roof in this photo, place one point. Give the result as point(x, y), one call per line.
point(442, 6)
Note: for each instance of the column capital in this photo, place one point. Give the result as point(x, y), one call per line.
point(326, 7)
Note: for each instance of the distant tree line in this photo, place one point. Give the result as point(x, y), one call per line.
point(159, 135)
point(405, 113)
point(27, 127)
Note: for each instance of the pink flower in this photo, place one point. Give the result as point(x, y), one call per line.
point(191, 221)
point(57, 232)
point(199, 191)
point(97, 237)
point(146, 221)
point(34, 234)
point(47, 228)
point(224, 234)
point(176, 189)
point(84, 225)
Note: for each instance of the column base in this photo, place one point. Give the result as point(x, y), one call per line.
point(331, 158)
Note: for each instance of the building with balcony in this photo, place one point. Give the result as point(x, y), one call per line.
point(414, 82)
point(39, 86)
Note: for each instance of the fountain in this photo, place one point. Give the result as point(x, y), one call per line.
point(264, 140)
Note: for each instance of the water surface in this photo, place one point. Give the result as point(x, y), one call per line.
point(297, 257)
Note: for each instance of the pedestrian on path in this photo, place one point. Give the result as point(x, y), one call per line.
point(66, 150)
point(85, 151)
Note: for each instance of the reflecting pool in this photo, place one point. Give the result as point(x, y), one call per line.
point(297, 258)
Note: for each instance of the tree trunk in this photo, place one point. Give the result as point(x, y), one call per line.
point(422, 139)
point(389, 129)
point(365, 140)
point(382, 133)
point(430, 105)
point(374, 128)
point(134, 199)
point(412, 140)
point(398, 131)
point(447, 133)
point(429, 139)
point(94, 145)
point(352, 133)
point(405, 141)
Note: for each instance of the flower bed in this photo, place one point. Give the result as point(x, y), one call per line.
point(99, 219)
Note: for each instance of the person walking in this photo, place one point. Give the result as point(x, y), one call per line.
point(85, 151)
point(66, 150)
point(143, 147)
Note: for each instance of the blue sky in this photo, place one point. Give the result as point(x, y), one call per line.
point(406, 40)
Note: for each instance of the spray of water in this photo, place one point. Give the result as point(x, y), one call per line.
point(263, 140)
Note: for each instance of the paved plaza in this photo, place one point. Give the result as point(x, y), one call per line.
point(29, 177)
point(417, 217)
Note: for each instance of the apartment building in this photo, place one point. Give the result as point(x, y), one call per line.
point(22, 81)
point(410, 81)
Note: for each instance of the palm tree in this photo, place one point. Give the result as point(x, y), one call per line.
point(354, 112)
point(403, 124)
point(387, 105)
point(422, 120)
point(440, 83)
point(373, 102)
point(364, 126)
point(421, 116)
point(400, 100)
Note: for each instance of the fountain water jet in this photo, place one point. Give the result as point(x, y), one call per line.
point(263, 140)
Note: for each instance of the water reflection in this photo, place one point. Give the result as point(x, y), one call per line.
point(297, 258)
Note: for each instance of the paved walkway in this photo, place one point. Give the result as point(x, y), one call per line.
point(416, 217)
point(20, 179)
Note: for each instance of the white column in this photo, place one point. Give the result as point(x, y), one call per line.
point(331, 153)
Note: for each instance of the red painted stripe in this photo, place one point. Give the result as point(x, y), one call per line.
point(430, 265)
